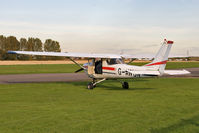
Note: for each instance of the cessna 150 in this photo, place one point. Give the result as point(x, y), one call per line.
point(101, 67)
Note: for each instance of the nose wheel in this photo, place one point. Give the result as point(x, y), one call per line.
point(125, 85)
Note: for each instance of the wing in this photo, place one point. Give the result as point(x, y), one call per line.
point(138, 56)
point(178, 56)
point(176, 72)
point(78, 55)
point(87, 55)
point(149, 56)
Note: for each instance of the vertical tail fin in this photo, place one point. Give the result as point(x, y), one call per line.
point(160, 60)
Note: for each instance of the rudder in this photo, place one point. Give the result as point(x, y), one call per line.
point(160, 60)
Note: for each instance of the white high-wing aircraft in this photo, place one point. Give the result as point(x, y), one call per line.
point(101, 67)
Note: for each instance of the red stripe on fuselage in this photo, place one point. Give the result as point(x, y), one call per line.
point(157, 63)
point(108, 68)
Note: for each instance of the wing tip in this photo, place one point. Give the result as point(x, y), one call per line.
point(11, 52)
point(188, 72)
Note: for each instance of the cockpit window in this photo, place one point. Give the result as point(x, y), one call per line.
point(114, 61)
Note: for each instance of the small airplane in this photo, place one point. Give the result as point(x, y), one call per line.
point(101, 67)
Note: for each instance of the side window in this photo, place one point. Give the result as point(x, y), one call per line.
point(111, 61)
point(119, 61)
point(114, 61)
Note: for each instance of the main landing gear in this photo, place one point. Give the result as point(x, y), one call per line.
point(125, 85)
point(92, 85)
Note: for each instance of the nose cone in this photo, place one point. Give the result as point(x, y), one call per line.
point(85, 65)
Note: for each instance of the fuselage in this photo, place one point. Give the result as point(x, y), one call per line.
point(118, 70)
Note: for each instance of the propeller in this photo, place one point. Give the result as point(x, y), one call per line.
point(79, 70)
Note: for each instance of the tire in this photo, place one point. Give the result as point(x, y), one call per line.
point(90, 86)
point(125, 85)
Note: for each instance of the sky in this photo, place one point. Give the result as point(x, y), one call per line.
point(105, 26)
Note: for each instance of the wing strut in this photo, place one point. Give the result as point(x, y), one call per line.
point(77, 63)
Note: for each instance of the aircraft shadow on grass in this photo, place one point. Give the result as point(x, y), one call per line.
point(108, 85)
point(112, 86)
point(181, 124)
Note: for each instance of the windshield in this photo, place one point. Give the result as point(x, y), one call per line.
point(114, 61)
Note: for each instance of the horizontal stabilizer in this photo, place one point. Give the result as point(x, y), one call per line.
point(176, 72)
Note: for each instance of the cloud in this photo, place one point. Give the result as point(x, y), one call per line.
point(194, 51)
point(109, 39)
point(151, 45)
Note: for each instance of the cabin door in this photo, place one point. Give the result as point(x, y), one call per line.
point(98, 67)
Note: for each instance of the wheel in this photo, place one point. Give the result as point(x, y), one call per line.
point(125, 85)
point(90, 86)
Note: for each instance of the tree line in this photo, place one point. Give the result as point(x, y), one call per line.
point(30, 44)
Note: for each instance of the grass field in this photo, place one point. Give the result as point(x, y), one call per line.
point(158, 105)
point(70, 68)
point(40, 68)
